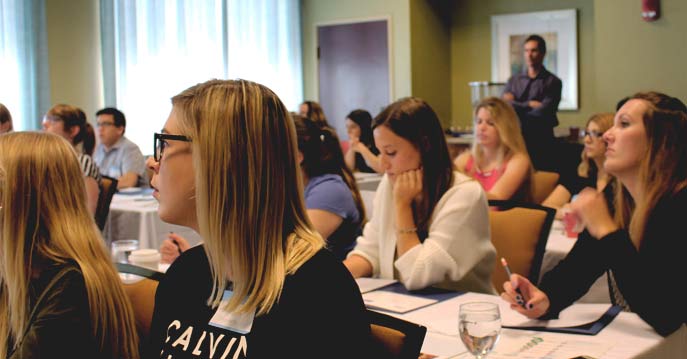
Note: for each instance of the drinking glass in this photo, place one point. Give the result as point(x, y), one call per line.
point(479, 325)
point(122, 248)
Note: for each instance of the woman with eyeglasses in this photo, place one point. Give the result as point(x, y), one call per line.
point(262, 285)
point(70, 123)
point(635, 234)
point(590, 172)
point(498, 159)
point(60, 295)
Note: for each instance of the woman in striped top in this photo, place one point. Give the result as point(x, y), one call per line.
point(70, 123)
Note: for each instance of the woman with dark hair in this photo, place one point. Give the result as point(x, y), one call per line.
point(332, 199)
point(362, 152)
point(313, 111)
point(635, 238)
point(5, 119)
point(426, 215)
point(70, 123)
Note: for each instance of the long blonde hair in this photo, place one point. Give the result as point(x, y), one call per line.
point(604, 121)
point(663, 171)
point(249, 195)
point(511, 140)
point(45, 220)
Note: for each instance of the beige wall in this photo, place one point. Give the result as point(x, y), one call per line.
point(634, 55)
point(74, 54)
point(314, 12)
point(471, 51)
point(430, 54)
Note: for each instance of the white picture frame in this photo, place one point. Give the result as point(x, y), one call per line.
point(558, 28)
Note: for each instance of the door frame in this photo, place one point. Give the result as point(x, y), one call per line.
point(348, 21)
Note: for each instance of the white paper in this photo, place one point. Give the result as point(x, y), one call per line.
point(367, 284)
point(530, 345)
point(395, 302)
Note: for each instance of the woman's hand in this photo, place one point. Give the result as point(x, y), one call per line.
point(172, 247)
point(533, 303)
point(407, 186)
point(591, 208)
point(355, 143)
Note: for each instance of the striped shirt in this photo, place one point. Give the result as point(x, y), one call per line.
point(89, 168)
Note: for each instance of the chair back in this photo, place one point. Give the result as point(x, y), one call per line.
point(142, 296)
point(396, 338)
point(543, 183)
point(107, 191)
point(519, 233)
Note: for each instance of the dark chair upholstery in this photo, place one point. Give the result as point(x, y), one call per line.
point(396, 338)
point(107, 191)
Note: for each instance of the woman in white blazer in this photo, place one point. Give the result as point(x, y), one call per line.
point(430, 224)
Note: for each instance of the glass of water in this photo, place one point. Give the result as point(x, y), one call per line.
point(479, 325)
point(122, 248)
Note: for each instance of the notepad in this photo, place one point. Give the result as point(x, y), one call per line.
point(586, 319)
point(369, 284)
point(395, 302)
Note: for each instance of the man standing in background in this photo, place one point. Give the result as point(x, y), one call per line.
point(535, 94)
point(116, 156)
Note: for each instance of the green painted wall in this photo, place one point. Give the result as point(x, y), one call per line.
point(430, 54)
point(73, 28)
point(321, 12)
point(471, 51)
point(634, 55)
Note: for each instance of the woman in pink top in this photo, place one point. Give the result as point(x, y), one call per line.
point(498, 159)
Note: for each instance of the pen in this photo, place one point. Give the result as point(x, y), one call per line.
point(509, 273)
point(176, 243)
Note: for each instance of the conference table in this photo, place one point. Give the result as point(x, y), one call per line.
point(626, 336)
point(133, 215)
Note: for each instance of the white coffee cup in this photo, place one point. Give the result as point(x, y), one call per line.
point(148, 258)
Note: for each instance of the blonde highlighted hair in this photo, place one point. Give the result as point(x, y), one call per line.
point(45, 221)
point(663, 171)
point(511, 141)
point(249, 200)
point(604, 121)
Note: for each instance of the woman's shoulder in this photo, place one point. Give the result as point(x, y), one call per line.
point(322, 271)
point(464, 161)
point(464, 188)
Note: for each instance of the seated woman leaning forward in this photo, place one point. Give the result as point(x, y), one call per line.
point(60, 295)
point(430, 224)
point(498, 158)
point(261, 285)
point(642, 243)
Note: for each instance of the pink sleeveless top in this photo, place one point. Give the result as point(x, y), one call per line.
point(486, 179)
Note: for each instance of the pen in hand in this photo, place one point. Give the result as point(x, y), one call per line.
point(521, 299)
point(175, 243)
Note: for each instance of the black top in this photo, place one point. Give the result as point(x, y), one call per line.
point(59, 324)
point(360, 163)
point(650, 279)
point(574, 183)
point(320, 314)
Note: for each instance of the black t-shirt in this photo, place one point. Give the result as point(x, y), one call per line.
point(320, 314)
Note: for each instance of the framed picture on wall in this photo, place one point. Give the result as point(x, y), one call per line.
point(559, 30)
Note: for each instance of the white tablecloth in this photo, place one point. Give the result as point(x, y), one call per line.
point(134, 216)
point(558, 246)
point(627, 336)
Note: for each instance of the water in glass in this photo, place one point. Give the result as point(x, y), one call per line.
point(479, 325)
point(122, 248)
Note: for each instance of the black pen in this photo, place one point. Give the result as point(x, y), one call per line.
point(508, 272)
point(176, 243)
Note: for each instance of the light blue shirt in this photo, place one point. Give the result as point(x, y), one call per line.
point(123, 157)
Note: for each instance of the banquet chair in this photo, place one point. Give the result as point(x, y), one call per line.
point(107, 191)
point(543, 183)
point(394, 337)
point(519, 232)
point(141, 293)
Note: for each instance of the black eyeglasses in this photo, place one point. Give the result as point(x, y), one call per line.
point(160, 144)
point(592, 134)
